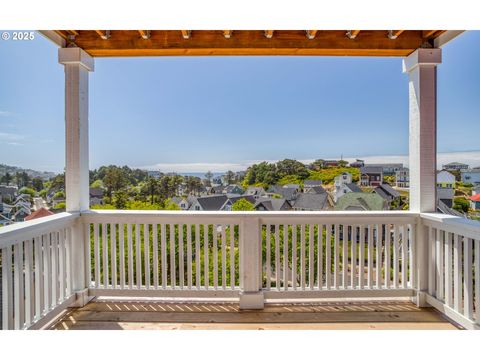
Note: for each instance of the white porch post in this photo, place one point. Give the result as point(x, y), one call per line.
point(77, 66)
point(251, 295)
point(421, 67)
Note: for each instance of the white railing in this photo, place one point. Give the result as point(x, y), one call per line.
point(454, 267)
point(36, 269)
point(58, 261)
point(361, 254)
point(154, 253)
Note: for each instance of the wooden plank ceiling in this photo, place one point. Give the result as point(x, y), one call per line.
point(101, 43)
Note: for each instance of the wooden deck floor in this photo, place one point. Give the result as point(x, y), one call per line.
point(105, 314)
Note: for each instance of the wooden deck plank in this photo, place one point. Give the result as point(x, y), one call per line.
point(102, 325)
point(134, 314)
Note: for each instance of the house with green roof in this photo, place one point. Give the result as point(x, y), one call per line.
point(361, 201)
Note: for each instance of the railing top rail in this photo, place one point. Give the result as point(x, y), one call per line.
point(140, 216)
point(179, 213)
point(454, 224)
point(24, 230)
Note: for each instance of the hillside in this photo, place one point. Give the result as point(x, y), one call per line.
point(45, 175)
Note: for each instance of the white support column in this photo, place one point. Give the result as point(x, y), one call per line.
point(421, 67)
point(77, 66)
point(251, 295)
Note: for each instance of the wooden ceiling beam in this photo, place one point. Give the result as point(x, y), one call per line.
point(268, 34)
point(311, 34)
point(352, 34)
point(145, 34)
point(428, 33)
point(104, 34)
point(72, 32)
point(247, 42)
point(186, 34)
point(62, 33)
point(227, 34)
point(393, 34)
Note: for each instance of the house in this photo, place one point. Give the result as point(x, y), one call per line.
point(232, 199)
point(387, 193)
point(217, 189)
point(8, 193)
point(311, 202)
point(308, 184)
point(476, 190)
point(361, 202)
point(444, 209)
point(5, 213)
point(96, 196)
point(255, 191)
point(475, 202)
point(42, 212)
point(154, 173)
point(343, 178)
point(455, 166)
point(292, 186)
point(183, 203)
point(345, 189)
point(217, 202)
point(471, 176)
point(289, 194)
point(371, 176)
point(233, 189)
point(20, 212)
point(343, 185)
point(388, 169)
point(269, 204)
point(402, 178)
point(357, 163)
point(209, 203)
point(445, 187)
point(331, 163)
point(316, 190)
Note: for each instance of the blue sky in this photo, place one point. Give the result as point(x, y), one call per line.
point(198, 113)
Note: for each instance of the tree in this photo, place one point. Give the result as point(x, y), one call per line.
point(27, 190)
point(120, 199)
point(97, 184)
point(243, 205)
point(461, 204)
point(59, 206)
point(22, 178)
point(317, 165)
point(193, 184)
point(342, 163)
point(7, 178)
point(263, 172)
point(57, 183)
point(170, 205)
point(37, 183)
point(209, 177)
point(152, 188)
point(229, 177)
point(292, 167)
point(115, 180)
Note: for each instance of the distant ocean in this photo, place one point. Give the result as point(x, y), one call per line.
point(201, 175)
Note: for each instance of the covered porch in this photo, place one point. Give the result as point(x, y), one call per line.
point(251, 265)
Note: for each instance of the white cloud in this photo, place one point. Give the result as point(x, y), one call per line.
point(471, 158)
point(6, 113)
point(9, 137)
